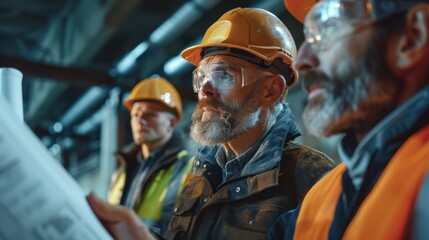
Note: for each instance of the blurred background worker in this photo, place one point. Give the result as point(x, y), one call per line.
point(151, 172)
point(365, 65)
point(250, 170)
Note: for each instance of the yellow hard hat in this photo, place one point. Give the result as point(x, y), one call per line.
point(156, 89)
point(252, 34)
point(299, 8)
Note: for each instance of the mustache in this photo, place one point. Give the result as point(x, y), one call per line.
point(215, 105)
point(313, 77)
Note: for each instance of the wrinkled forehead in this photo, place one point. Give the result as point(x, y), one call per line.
point(358, 11)
point(225, 59)
point(149, 106)
point(349, 11)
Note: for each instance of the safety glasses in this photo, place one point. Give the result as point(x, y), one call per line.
point(331, 20)
point(226, 76)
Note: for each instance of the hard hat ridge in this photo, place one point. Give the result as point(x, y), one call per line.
point(156, 88)
point(379, 8)
point(252, 34)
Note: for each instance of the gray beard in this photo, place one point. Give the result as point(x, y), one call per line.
point(366, 90)
point(337, 101)
point(233, 121)
point(354, 101)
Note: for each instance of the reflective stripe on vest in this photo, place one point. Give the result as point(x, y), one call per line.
point(421, 212)
point(115, 194)
point(386, 212)
point(153, 198)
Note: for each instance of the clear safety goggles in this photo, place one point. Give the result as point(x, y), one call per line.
point(332, 20)
point(226, 76)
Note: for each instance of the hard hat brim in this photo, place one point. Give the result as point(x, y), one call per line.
point(299, 8)
point(156, 89)
point(193, 54)
point(128, 103)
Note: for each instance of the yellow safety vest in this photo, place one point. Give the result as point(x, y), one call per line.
point(153, 198)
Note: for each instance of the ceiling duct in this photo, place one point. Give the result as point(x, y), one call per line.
point(187, 15)
point(88, 101)
point(168, 31)
point(179, 22)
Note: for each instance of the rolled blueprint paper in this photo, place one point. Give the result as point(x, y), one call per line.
point(11, 89)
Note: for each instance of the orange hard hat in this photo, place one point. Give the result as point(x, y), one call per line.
point(156, 89)
point(299, 8)
point(253, 34)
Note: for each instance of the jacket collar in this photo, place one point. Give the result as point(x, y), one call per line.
point(399, 124)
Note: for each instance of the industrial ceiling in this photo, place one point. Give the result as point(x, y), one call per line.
point(72, 55)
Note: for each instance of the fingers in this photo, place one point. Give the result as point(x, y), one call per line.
point(112, 214)
point(121, 222)
point(107, 212)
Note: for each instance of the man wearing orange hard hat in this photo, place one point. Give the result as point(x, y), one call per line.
point(151, 172)
point(249, 170)
point(364, 64)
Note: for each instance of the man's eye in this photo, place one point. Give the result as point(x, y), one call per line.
point(223, 76)
point(329, 27)
point(200, 75)
point(227, 76)
point(149, 115)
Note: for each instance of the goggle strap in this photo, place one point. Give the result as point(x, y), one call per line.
point(386, 9)
point(285, 69)
point(235, 53)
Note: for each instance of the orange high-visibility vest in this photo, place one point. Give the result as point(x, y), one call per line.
point(386, 212)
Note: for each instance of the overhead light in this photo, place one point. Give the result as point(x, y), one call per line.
point(186, 16)
point(57, 127)
point(88, 99)
point(129, 60)
point(275, 7)
point(95, 120)
point(175, 65)
point(90, 124)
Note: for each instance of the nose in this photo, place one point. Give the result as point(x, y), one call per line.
point(306, 58)
point(142, 121)
point(207, 90)
point(139, 118)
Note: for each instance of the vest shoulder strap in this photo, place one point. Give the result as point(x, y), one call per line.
point(421, 211)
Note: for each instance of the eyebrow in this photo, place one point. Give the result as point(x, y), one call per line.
point(225, 61)
point(145, 110)
point(219, 62)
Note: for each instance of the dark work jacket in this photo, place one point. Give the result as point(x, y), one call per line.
point(171, 158)
point(273, 181)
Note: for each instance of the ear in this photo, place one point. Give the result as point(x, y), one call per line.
point(173, 121)
point(275, 86)
point(413, 43)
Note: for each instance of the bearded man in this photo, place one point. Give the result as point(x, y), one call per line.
point(249, 170)
point(364, 64)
